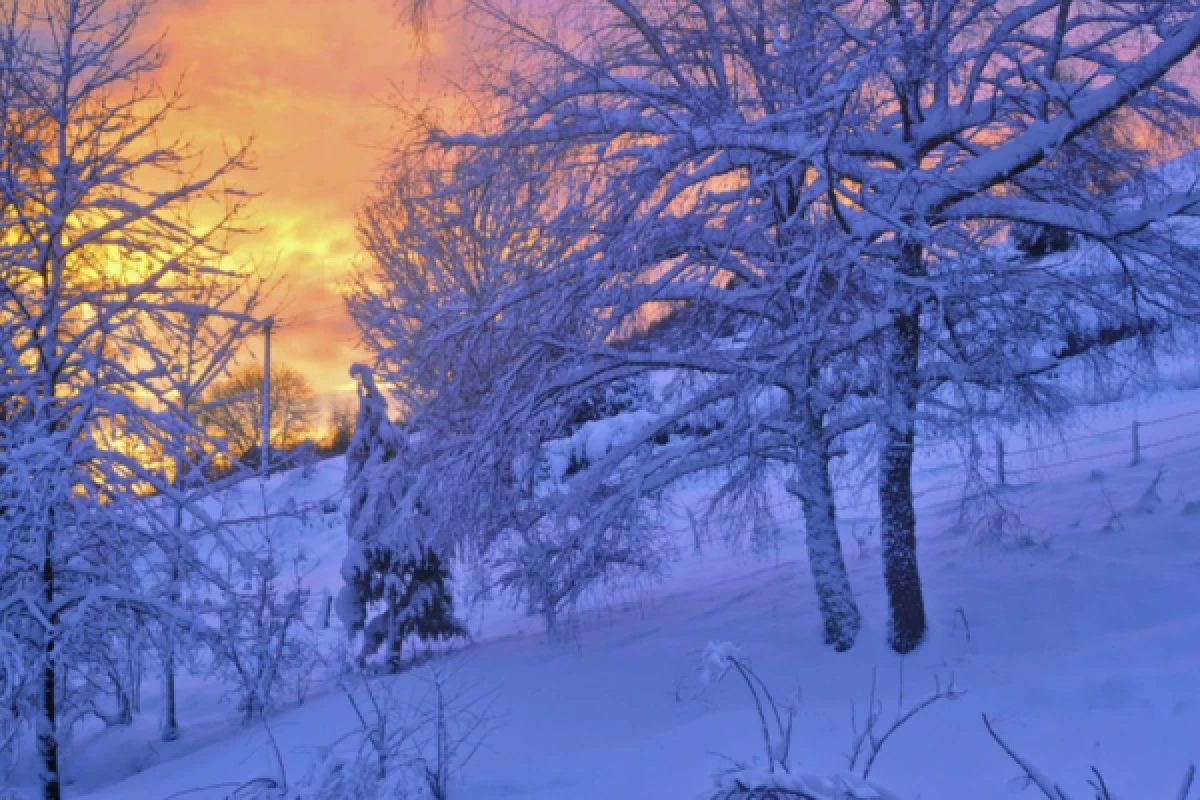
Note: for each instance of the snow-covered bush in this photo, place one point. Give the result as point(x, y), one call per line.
point(264, 644)
point(750, 785)
point(335, 778)
point(411, 744)
point(1038, 241)
point(607, 401)
point(554, 563)
point(414, 599)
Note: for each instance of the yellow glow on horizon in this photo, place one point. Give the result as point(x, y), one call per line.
point(310, 82)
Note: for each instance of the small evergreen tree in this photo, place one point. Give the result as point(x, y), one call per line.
point(397, 586)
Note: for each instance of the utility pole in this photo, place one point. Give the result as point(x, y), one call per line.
point(265, 454)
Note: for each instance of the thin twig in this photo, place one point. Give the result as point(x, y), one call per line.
point(1051, 791)
point(877, 745)
point(1188, 779)
point(283, 781)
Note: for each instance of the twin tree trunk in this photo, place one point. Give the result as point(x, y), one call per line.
point(902, 577)
point(906, 604)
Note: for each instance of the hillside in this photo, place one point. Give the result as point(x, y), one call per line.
point(1076, 629)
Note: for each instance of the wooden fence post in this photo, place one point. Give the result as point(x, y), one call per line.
point(1000, 476)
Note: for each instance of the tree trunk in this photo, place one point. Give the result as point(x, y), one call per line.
point(47, 733)
point(835, 597)
point(170, 728)
point(47, 737)
point(898, 516)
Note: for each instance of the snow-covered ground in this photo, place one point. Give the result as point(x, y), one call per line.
point(1077, 631)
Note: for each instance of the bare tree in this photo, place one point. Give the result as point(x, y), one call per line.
point(339, 428)
point(233, 407)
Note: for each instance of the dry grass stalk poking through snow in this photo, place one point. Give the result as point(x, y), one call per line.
point(780, 780)
point(1034, 777)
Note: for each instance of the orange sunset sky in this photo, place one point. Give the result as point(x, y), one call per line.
point(311, 82)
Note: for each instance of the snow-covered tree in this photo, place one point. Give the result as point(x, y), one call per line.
point(728, 291)
point(453, 303)
point(199, 338)
point(971, 120)
point(396, 584)
point(99, 234)
point(860, 168)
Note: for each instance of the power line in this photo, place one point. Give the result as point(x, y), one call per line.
point(1172, 418)
point(1110, 454)
point(310, 316)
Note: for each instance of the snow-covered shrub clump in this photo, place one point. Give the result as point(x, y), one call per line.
point(751, 785)
point(409, 746)
point(610, 400)
point(589, 443)
point(265, 645)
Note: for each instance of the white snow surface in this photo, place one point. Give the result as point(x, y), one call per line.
point(1077, 633)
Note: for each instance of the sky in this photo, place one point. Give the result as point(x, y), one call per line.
point(312, 81)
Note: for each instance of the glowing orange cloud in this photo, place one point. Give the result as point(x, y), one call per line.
point(310, 81)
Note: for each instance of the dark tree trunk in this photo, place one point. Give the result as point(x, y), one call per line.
point(47, 734)
point(906, 602)
point(835, 597)
point(47, 739)
point(170, 728)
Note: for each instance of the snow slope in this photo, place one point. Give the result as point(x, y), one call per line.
point(1077, 632)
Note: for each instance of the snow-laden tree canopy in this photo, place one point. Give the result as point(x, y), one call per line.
point(802, 219)
point(107, 278)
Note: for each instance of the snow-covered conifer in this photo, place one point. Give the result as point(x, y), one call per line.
point(396, 584)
